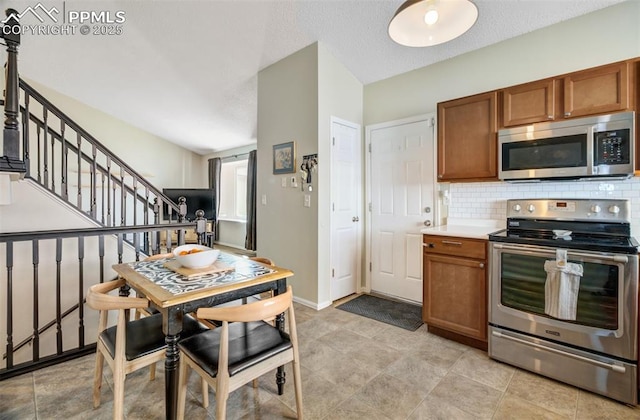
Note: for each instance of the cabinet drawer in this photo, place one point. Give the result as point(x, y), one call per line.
point(451, 245)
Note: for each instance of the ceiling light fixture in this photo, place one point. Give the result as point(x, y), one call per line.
point(424, 23)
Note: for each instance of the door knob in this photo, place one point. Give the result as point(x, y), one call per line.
point(427, 223)
point(355, 219)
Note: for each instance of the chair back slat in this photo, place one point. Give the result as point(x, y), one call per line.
point(97, 297)
point(256, 311)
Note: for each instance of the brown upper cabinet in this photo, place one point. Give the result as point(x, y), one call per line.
point(603, 89)
point(529, 103)
point(467, 138)
point(588, 92)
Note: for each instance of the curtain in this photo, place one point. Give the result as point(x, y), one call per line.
point(215, 166)
point(250, 239)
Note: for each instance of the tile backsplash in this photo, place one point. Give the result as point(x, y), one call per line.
point(487, 200)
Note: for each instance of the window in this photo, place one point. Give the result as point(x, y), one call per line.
point(233, 191)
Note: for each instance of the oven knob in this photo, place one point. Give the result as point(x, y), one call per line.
point(596, 209)
point(614, 209)
point(517, 207)
point(531, 208)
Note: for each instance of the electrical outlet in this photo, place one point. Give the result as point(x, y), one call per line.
point(294, 182)
point(283, 182)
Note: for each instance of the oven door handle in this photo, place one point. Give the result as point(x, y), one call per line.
point(610, 366)
point(616, 258)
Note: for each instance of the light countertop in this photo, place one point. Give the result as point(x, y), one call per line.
point(466, 228)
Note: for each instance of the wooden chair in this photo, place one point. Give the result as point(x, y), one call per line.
point(243, 349)
point(127, 346)
point(263, 260)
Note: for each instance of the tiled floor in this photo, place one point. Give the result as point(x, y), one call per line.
point(352, 368)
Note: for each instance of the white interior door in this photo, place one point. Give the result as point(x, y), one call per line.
point(402, 199)
point(346, 196)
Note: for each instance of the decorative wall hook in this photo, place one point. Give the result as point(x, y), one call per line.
point(309, 164)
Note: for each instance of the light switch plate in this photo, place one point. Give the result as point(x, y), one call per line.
point(283, 182)
point(294, 182)
point(264, 199)
point(307, 200)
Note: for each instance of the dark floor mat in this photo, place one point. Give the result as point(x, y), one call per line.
point(400, 314)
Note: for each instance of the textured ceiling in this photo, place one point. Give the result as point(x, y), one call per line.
point(187, 71)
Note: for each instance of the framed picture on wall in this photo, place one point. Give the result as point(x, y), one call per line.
point(284, 158)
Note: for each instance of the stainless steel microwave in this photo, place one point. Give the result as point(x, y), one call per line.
point(581, 148)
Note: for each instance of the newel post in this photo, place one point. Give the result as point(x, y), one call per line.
point(11, 161)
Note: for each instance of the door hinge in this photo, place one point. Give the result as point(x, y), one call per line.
point(333, 272)
point(334, 141)
point(333, 206)
point(369, 147)
point(370, 266)
point(370, 207)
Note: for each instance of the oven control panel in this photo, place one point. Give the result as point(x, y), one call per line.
point(571, 209)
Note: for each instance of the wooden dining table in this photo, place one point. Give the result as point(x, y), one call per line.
point(175, 294)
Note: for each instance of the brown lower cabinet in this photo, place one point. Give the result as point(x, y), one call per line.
point(455, 288)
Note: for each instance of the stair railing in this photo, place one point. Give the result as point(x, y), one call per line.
point(82, 258)
point(72, 164)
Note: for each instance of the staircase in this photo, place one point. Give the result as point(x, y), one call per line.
point(47, 273)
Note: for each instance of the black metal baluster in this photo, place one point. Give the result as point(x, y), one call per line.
point(64, 166)
point(39, 137)
point(120, 247)
point(45, 155)
point(135, 200)
point(93, 181)
point(136, 245)
point(101, 256)
point(109, 220)
point(102, 194)
point(81, 291)
point(53, 164)
point(9, 353)
point(156, 220)
point(25, 135)
point(59, 294)
point(79, 144)
point(36, 334)
point(122, 198)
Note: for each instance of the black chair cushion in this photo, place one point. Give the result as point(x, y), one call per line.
point(249, 344)
point(145, 336)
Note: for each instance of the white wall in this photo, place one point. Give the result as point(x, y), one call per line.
point(339, 95)
point(161, 162)
point(568, 46)
point(296, 99)
point(571, 45)
point(34, 209)
point(287, 232)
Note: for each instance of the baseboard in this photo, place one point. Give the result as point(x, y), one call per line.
point(313, 305)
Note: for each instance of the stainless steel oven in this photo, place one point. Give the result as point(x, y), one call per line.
point(592, 341)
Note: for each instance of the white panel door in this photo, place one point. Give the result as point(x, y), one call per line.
point(402, 198)
point(346, 196)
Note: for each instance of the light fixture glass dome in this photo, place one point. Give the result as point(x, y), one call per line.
point(409, 25)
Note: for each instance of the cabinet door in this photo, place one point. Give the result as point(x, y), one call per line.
point(467, 138)
point(455, 295)
point(603, 89)
point(528, 103)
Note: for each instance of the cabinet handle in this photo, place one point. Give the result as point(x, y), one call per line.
point(440, 176)
point(452, 243)
point(567, 114)
point(481, 265)
point(429, 245)
point(550, 117)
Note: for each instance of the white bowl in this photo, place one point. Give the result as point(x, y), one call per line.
point(204, 257)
